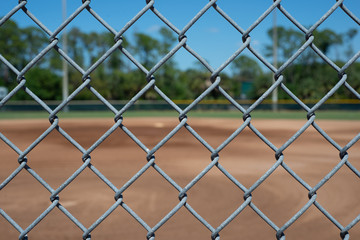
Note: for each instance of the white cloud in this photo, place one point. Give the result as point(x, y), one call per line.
point(255, 43)
point(153, 29)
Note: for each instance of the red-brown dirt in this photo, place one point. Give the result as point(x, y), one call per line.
point(183, 157)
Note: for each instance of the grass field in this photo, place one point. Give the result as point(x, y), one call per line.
point(336, 115)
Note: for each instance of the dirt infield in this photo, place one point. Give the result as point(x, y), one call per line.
point(214, 197)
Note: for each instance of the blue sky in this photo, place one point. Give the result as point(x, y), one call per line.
point(212, 37)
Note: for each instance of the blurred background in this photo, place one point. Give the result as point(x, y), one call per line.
point(183, 77)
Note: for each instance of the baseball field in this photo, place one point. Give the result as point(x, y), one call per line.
point(182, 158)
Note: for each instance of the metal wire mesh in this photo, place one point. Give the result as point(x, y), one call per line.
point(119, 202)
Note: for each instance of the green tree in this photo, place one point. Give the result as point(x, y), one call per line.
point(167, 77)
point(195, 82)
point(288, 41)
point(349, 37)
point(147, 49)
point(115, 60)
point(35, 39)
point(43, 82)
point(76, 46)
point(325, 39)
point(11, 45)
point(308, 77)
point(246, 68)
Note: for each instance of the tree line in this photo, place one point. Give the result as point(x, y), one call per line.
point(118, 79)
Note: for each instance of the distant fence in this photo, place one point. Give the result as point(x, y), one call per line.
point(158, 105)
point(118, 109)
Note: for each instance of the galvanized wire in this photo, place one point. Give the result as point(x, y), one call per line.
point(150, 79)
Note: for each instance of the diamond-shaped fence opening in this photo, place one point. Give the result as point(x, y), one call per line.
point(24, 211)
point(178, 177)
point(337, 205)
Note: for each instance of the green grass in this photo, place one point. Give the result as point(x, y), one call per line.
point(344, 115)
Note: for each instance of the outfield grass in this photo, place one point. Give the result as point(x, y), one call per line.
point(345, 115)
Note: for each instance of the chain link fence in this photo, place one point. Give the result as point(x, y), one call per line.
point(150, 78)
